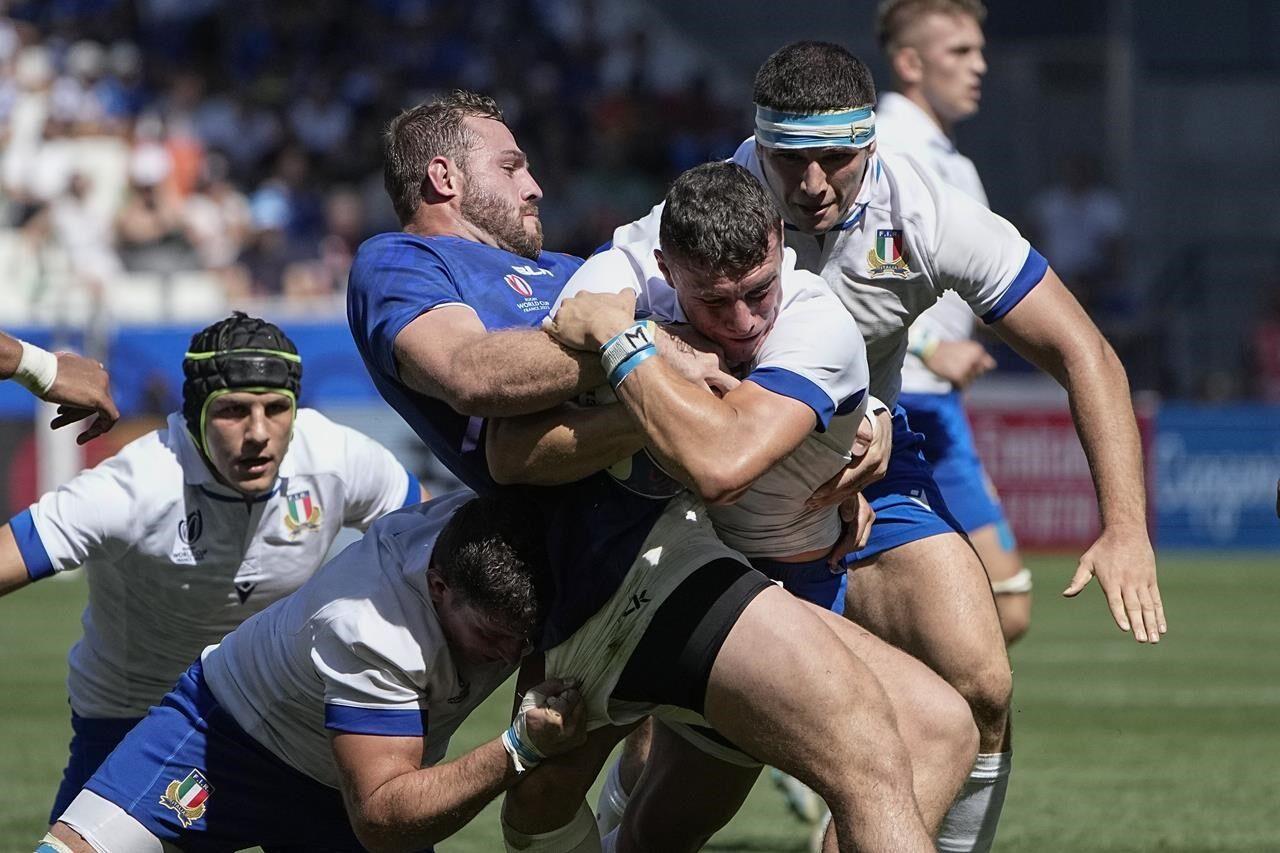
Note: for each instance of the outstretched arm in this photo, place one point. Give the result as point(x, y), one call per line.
point(448, 354)
point(1050, 329)
point(13, 569)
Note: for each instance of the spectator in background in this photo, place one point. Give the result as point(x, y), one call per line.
point(1080, 223)
point(149, 226)
point(216, 217)
point(1266, 348)
point(84, 230)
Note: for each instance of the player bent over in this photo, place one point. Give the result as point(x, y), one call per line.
point(191, 529)
point(445, 315)
point(321, 723)
point(756, 454)
point(78, 384)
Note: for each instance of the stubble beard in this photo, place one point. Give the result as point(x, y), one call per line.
point(504, 222)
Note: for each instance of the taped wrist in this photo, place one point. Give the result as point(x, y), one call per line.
point(625, 351)
point(516, 741)
point(37, 369)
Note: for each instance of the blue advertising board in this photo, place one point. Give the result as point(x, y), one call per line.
point(1215, 470)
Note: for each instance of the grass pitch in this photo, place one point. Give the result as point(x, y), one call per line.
point(1119, 747)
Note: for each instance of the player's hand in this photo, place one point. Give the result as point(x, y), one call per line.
point(871, 450)
point(554, 716)
point(1125, 566)
point(83, 388)
point(586, 321)
point(960, 362)
point(858, 516)
point(695, 357)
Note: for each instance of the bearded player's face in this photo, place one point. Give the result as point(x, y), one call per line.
point(501, 197)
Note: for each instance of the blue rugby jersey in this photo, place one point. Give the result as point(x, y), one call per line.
point(594, 527)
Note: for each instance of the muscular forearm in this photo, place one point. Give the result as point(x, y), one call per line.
point(501, 374)
point(720, 449)
point(10, 356)
point(420, 808)
point(13, 571)
point(560, 445)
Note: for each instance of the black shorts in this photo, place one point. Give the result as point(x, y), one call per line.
point(672, 663)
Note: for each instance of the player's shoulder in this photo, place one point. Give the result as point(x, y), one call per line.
point(320, 445)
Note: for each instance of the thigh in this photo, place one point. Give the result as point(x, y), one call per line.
point(931, 598)
point(549, 798)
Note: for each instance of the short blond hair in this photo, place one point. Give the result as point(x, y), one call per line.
point(895, 17)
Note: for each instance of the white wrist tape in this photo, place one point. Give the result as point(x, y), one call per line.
point(516, 741)
point(37, 369)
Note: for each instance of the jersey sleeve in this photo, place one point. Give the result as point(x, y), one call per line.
point(376, 481)
point(815, 354)
point(93, 514)
point(365, 692)
point(626, 262)
point(395, 278)
point(980, 255)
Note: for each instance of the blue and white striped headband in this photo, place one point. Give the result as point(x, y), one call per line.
point(855, 128)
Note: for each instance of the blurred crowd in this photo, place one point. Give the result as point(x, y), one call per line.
point(147, 139)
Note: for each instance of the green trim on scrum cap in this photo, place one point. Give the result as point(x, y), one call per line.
point(202, 440)
point(287, 356)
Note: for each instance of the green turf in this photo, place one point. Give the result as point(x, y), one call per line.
point(1119, 747)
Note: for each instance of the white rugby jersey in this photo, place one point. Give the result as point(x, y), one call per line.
point(909, 238)
point(814, 354)
point(175, 559)
point(357, 649)
point(901, 126)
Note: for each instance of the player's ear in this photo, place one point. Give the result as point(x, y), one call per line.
point(436, 585)
point(908, 66)
point(443, 180)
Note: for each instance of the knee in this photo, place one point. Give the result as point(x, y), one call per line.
point(1014, 624)
point(988, 692)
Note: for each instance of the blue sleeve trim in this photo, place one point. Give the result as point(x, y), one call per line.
point(779, 380)
point(33, 552)
point(413, 496)
point(1031, 274)
point(375, 721)
point(851, 402)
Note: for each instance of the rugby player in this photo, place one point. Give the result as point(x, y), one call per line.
point(191, 529)
point(79, 385)
point(934, 48)
point(890, 238)
point(756, 454)
point(322, 722)
point(446, 316)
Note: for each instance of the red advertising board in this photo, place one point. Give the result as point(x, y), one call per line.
point(1034, 458)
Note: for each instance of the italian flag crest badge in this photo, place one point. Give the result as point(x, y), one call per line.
point(187, 797)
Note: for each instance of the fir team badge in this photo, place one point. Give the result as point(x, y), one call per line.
point(888, 257)
point(302, 512)
point(187, 797)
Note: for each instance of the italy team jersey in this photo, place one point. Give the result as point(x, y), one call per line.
point(594, 527)
point(357, 649)
point(908, 239)
point(902, 126)
point(814, 354)
point(175, 560)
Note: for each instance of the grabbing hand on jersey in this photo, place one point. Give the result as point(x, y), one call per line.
point(871, 449)
point(959, 362)
point(553, 716)
point(587, 321)
point(857, 517)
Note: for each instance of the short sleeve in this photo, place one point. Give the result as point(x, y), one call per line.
point(376, 482)
point(364, 691)
point(395, 278)
point(93, 514)
point(815, 353)
point(980, 255)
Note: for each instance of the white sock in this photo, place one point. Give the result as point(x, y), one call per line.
point(613, 801)
point(970, 826)
point(577, 836)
